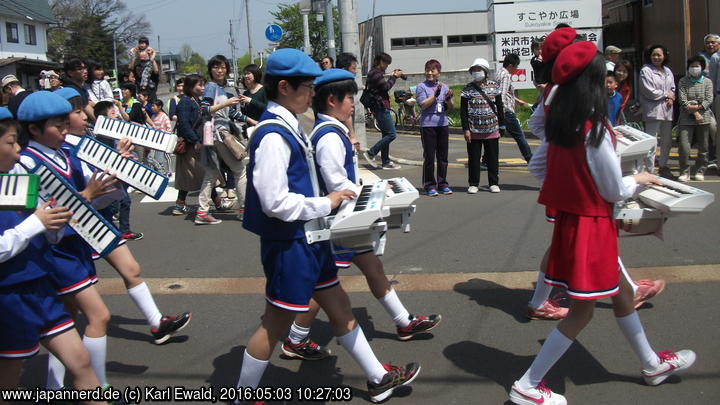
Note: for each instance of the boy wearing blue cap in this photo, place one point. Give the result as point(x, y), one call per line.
point(122, 259)
point(44, 118)
point(282, 195)
point(32, 312)
point(336, 161)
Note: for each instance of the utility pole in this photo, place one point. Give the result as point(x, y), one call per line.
point(371, 40)
point(160, 67)
point(233, 58)
point(247, 21)
point(351, 43)
point(117, 75)
point(687, 32)
point(305, 9)
point(330, 24)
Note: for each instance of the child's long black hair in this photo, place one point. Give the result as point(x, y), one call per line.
point(580, 99)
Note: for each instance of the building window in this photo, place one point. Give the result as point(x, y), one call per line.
point(30, 38)
point(12, 32)
point(469, 39)
point(416, 42)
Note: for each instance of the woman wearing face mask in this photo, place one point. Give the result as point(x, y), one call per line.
point(435, 99)
point(696, 97)
point(481, 114)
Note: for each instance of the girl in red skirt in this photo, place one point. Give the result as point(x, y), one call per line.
point(583, 178)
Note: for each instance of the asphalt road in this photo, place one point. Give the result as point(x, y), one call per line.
point(471, 258)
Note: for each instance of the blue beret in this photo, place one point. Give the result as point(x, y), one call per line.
point(42, 105)
point(289, 62)
point(333, 75)
point(67, 93)
point(5, 114)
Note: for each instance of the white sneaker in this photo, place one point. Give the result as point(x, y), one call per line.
point(391, 166)
point(473, 190)
point(683, 177)
point(370, 160)
point(699, 176)
point(670, 363)
point(534, 396)
point(494, 188)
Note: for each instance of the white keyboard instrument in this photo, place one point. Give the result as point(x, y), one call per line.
point(102, 236)
point(130, 171)
point(140, 134)
point(18, 191)
point(399, 198)
point(636, 149)
point(356, 225)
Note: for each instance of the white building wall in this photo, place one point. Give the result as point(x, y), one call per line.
point(452, 58)
point(21, 49)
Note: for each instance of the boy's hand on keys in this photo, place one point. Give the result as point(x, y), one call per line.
point(99, 185)
point(338, 197)
point(646, 178)
point(52, 218)
point(125, 147)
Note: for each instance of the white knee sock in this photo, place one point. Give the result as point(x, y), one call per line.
point(56, 373)
point(627, 276)
point(298, 333)
point(252, 371)
point(97, 347)
point(140, 294)
point(396, 309)
point(542, 292)
point(359, 348)
point(635, 334)
point(555, 346)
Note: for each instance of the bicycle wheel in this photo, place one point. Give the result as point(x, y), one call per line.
point(393, 117)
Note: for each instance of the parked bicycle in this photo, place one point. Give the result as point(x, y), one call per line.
point(408, 112)
point(370, 121)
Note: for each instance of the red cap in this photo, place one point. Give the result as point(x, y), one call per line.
point(572, 61)
point(556, 41)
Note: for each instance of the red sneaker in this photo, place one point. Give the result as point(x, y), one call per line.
point(646, 290)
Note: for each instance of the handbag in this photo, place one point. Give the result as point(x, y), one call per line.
point(235, 145)
point(368, 100)
point(180, 146)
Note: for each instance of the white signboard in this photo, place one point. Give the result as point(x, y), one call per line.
point(519, 43)
point(545, 15)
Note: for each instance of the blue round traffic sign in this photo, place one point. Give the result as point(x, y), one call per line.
point(273, 33)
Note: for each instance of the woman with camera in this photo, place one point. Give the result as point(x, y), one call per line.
point(379, 87)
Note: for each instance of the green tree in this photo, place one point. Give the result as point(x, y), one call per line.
point(289, 18)
point(194, 64)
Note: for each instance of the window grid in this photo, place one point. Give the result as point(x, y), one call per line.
point(30, 37)
point(12, 32)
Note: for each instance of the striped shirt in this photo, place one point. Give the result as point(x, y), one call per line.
point(508, 92)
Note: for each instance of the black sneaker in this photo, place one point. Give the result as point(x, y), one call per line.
point(395, 377)
point(418, 324)
point(169, 325)
point(306, 350)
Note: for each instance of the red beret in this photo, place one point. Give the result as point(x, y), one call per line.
point(556, 41)
point(572, 61)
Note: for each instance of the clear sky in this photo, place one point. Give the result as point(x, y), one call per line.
point(204, 25)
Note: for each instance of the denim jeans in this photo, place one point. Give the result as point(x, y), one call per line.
point(122, 208)
point(387, 127)
point(513, 126)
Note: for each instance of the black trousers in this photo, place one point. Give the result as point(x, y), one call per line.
point(475, 152)
point(435, 145)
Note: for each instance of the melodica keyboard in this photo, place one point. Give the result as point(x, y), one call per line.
point(635, 148)
point(673, 197)
point(355, 226)
point(140, 134)
point(86, 221)
point(18, 191)
point(128, 170)
point(399, 198)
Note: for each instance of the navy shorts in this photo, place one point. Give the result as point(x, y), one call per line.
point(74, 268)
point(344, 260)
point(30, 311)
point(294, 270)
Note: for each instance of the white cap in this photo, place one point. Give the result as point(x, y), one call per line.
point(483, 63)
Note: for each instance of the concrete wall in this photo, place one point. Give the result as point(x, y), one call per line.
point(21, 49)
point(389, 27)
